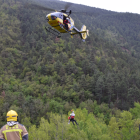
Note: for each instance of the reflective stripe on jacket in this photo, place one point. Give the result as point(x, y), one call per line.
point(16, 132)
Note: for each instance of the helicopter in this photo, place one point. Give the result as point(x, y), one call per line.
point(56, 21)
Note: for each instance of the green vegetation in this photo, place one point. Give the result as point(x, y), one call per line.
point(43, 77)
point(122, 125)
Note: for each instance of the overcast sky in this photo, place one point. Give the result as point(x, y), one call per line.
point(132, 6)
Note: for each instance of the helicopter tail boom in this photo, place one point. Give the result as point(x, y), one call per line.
point(83, 32)
point(78, 32)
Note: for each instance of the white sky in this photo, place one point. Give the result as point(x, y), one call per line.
point(131, 6)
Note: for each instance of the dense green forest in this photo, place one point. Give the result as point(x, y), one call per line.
point(43, 77)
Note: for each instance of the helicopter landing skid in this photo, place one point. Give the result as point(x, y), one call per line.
point(54, 32)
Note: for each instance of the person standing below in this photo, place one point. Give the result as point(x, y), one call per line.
point(71, 118)
point(13, 130)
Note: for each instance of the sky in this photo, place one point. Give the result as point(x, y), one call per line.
point(131, 6)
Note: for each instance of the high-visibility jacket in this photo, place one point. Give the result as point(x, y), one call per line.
point(15, 132)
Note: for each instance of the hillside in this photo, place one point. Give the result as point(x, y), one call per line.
point(40, 73)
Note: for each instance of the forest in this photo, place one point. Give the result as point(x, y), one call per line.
point(43, 77)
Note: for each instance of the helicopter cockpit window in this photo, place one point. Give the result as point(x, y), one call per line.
point(53, 17)
point(61, 16)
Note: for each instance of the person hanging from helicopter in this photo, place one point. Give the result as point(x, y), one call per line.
point(66, 21)
point(71, 118)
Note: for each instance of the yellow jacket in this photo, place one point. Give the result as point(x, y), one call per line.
point(15, 132)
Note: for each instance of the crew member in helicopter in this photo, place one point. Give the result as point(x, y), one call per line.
point(66, 21)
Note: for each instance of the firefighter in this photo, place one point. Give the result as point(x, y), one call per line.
point(13, 130)
point(66, 21)
point(71, 118)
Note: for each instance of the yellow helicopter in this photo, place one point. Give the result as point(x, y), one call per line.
point(57, 21)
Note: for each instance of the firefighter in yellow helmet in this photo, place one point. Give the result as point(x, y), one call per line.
point(13, 130)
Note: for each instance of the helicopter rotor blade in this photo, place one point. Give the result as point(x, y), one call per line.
point(38, 7)
point(68, 4)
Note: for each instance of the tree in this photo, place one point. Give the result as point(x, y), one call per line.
point(109, 87)
point(43, 70)
point(114, 129)
point(49, 56)
point(57, 66)
point(99, 88)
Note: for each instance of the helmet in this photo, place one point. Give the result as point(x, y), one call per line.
point(67, 18)
point(12, 116)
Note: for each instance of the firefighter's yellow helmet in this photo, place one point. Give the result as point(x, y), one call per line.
point(12, 116)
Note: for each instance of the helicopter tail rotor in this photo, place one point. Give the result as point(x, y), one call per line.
point(84, 33)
